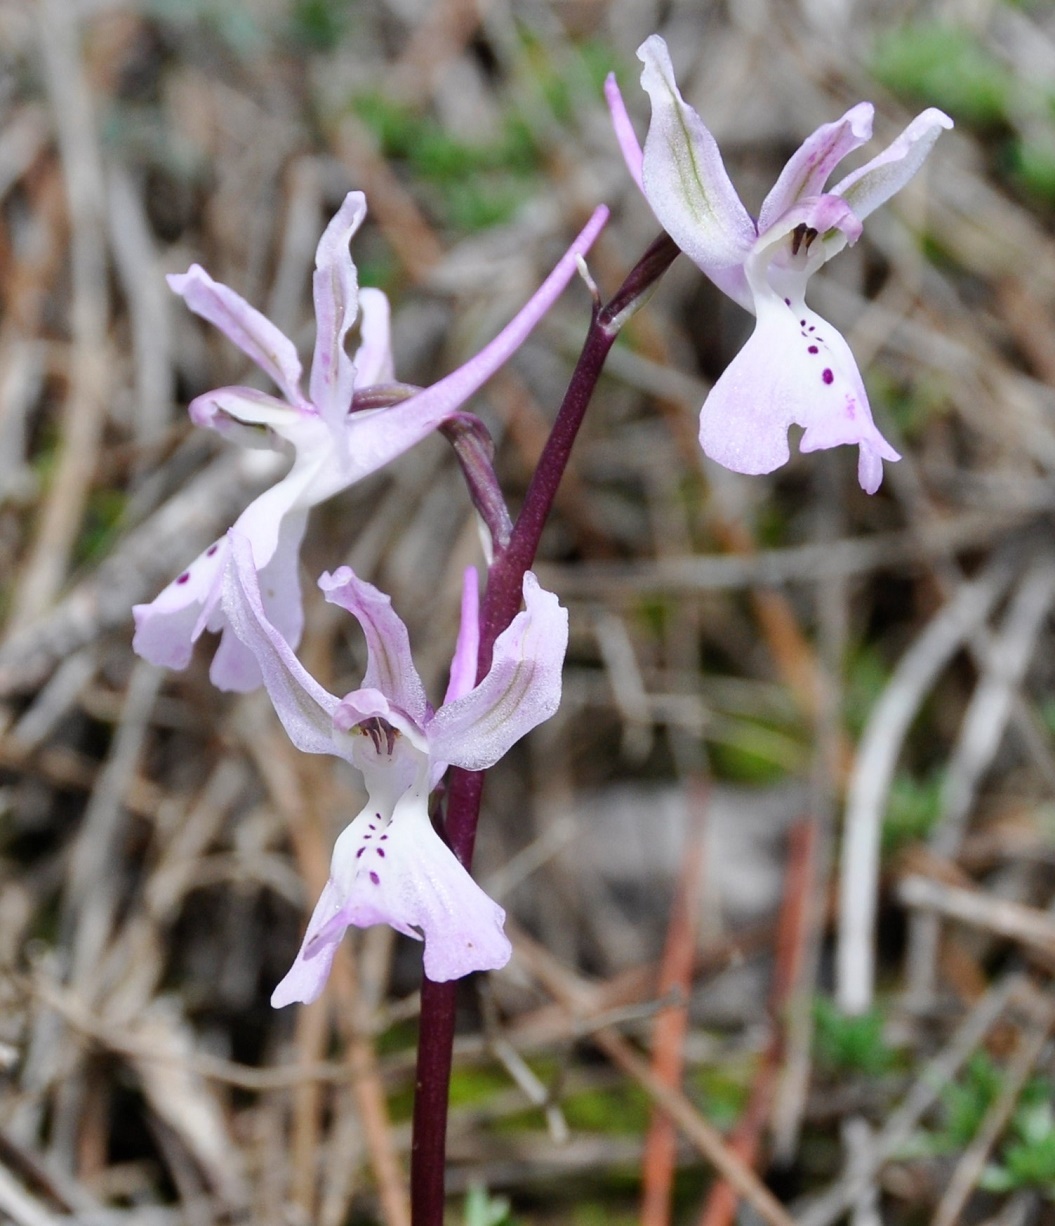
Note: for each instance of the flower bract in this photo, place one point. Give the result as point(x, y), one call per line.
point(389, 865)
point(796, 368)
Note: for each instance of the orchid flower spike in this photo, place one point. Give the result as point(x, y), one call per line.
point(333, 446)
point(796, 367)
point(389, 865)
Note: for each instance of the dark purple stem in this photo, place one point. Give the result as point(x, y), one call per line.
point(465, 788)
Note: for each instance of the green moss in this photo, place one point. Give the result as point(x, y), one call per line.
point(1033, 165)
point(850, 1044)
point(101, 522)
point(475, 1084)
point(945, 66)
point(621, 1110)
point(866, 675)
point(748, 751)
point(320, 25)
point(912, 810)
point(722, 1090)
point(472, 185)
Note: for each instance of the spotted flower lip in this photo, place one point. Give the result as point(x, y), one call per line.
point(796, 368)
point(389, 865)
point(332, 447)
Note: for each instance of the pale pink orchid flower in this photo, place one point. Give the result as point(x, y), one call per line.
point(796, 368)
point(333, 446)
point(389, 865)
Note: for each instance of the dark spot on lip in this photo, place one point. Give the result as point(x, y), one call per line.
point(381, 852)
point(184, 577)
point(827, 376)
point(375, 878)
point(797, 235)
point(359, 852)
point(813, 349)
point(212, 549)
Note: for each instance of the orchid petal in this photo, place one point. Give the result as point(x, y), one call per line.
point(625, 135)
point(373, 358)
point(390, 666)
point(335, 287)
point(521, 689)
point(167, 627)
point(795, 368)
point(306, 978)
point(430, 408)
point(219, 409)
point(808, 168)
point(376, 437)
point(403, 874)
point(302, 487)
point(866, 188)
point(390, 867)
point(686, 183)
point(234, 667)
point(466, 651)
point(304, 707)
point(244, 325)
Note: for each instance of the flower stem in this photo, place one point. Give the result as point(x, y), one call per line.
point(465, 788)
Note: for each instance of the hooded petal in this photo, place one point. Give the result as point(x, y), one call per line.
point(373, 358)
point(810, 165)
point(253, 333)
point(521, 689)
point(625, 135)
point(167, 627)
point(795, 368)
point(686, 183)
point(466, 651)
point(335, 287)
point(304, 707)
point(390, 666)
point(380, 733)
point(866, 188)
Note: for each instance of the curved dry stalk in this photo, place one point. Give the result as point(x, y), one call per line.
point(873, 773)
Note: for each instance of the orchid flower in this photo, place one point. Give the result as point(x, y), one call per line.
point(333, 444)
point(389, 865)
point(796, 367)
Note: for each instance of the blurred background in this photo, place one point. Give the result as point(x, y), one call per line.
point(767, 677)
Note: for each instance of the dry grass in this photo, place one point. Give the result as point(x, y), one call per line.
point(734, 641)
